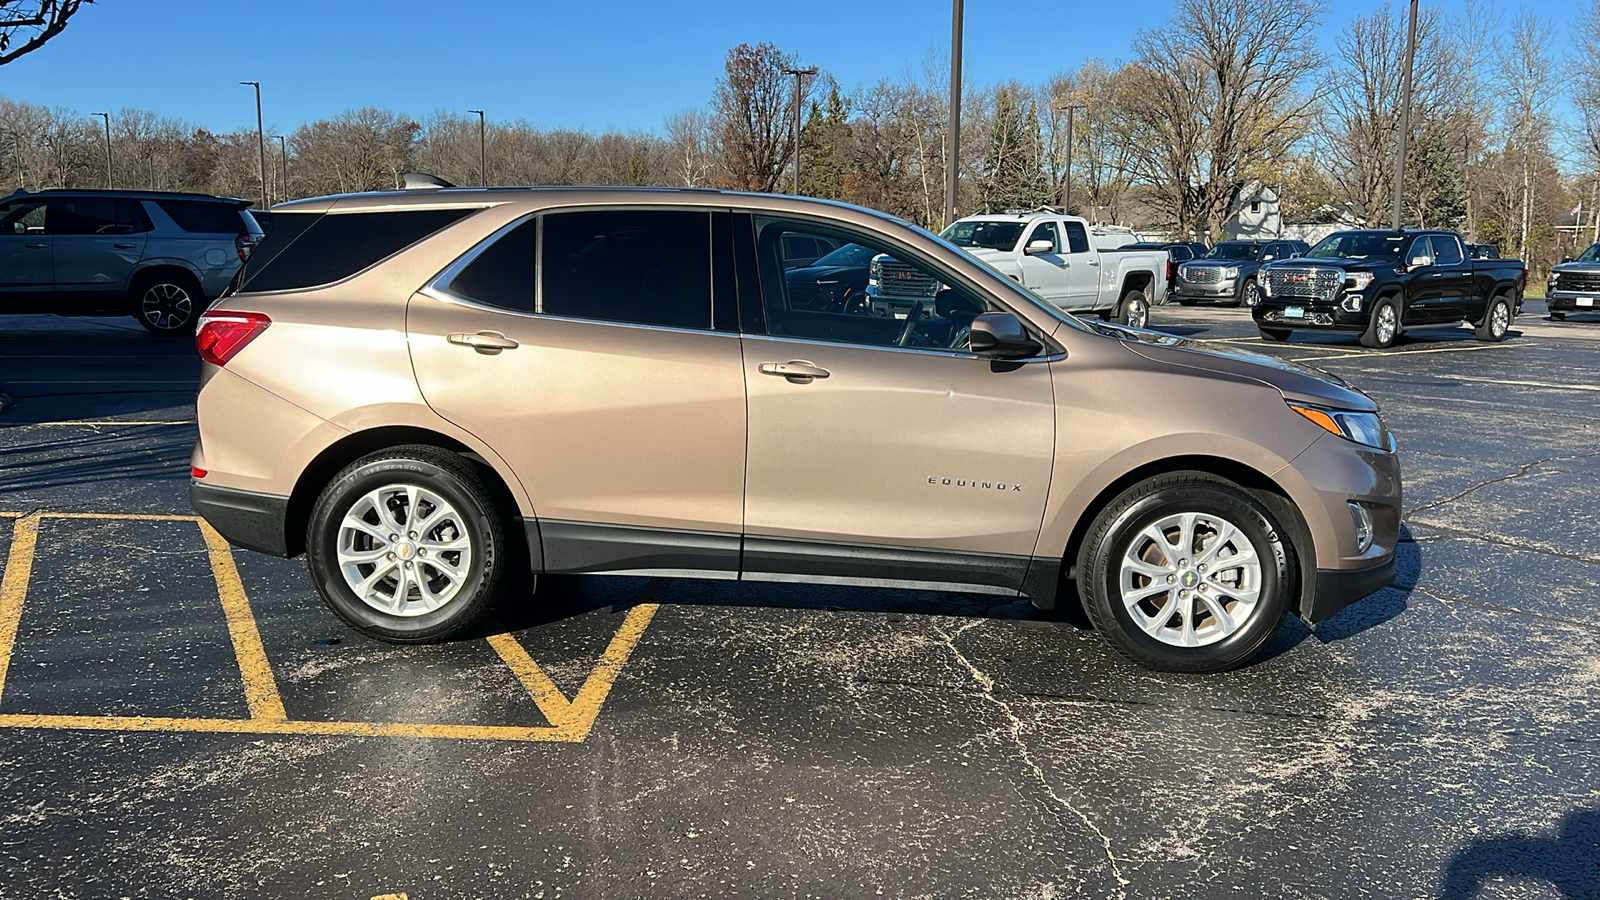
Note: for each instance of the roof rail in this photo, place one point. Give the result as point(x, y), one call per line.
point(419, 181)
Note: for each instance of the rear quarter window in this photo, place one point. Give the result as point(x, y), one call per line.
point(312, 249)
point(204, 216)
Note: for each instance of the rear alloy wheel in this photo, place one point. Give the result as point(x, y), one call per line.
point(1274, 334)
point(1249, 294)
point(1134, 310)
point(406, 545)
point(1496, 321)
point(1186, 573)
point(1384, 326)
point(168, 305)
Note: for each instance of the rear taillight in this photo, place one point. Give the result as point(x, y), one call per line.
point(245, 244)
point(1172, 269)
point(223, 334)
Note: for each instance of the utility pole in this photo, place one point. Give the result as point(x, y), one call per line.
point(799, 76)
point(107, 118)
point(283, 158)
point(483, 156)
point(261, 143)
point(952, 163)
point(1405, 121)
point(1066, 195)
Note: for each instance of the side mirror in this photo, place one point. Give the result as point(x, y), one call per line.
point(1001, 335)
point(1037, 247)
point(1268, 258)
point(1566, 259)
point(1419, 262)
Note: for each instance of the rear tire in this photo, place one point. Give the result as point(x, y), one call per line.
point(1496, 321)
point(1186, 572)
point(1186, 301)
point(1274, 334)
point(1383, 328)
point(408, 546)
point(1558, 317)
point(166, 303)
point(1134, 310)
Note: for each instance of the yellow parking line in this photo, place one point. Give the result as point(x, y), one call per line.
point(132, 517)
point(112, 422)
point(264, 726)
point(551, 702)
point(260, 688)
point(14, 587)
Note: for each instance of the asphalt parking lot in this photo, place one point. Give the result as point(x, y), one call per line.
point(182, 720)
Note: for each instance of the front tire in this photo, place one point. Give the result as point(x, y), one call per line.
point(1134, 310)
point(1496, 321)
point(1383, 328)
point(1249, 294)
point(1558, 317)
point(1274, 334)
point(407, 545)
point(167, 304)
point(1186, 572)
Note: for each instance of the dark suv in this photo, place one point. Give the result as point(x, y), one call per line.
point(1574, 285)
point(1227, 273)
point(157, 256)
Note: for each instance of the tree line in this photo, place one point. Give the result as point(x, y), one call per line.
point(1228, 95)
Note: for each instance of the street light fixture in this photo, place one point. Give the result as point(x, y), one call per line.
point(799, 76)
point(107, 118)
point(261, 143)
point(1405, 119)
point(952, 166)
point(483, 156)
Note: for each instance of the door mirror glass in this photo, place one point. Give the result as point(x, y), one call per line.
point(1420, 262)
point(1002, 335)
point(1036, 247)
point(1267, 257)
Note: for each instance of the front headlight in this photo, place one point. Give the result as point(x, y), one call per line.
point(1358, 281)
point(1230, 272)
point(1362, 427)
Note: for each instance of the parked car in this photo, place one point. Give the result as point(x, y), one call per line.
point(1177, 252)
point(836, 282)
point(159, 257)
point(1381, 282)
point(1574, 285)
point(1227, 272)
point(605, 380)
point(1050, 254)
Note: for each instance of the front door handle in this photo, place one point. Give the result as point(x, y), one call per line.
point(799, 371)
point(37, 246)
point(483, 342)
point(123, 246)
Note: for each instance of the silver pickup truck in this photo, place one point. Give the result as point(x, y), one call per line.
point(1050, 254)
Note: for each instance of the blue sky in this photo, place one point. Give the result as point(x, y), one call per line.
point(622, 64)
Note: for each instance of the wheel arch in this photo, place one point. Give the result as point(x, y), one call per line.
point(1141, 280)
point(326, 464)
point(162, 268)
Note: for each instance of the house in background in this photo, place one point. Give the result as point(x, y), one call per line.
point(1256, 215)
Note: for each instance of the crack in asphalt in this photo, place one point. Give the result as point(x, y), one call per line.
point(988, 685)
point(1448, 532)
point(1523, 469)
point(1586, 626)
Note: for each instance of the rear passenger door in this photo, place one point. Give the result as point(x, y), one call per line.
point(1458, 298)
point(596, 351)
point(1083, 272)
point(98, 241)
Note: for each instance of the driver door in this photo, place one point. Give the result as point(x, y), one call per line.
point(881, 451)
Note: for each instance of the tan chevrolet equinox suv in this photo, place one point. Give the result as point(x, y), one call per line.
point(432, 392)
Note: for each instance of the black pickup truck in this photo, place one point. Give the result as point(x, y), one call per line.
point(1381, 282)
point(1574, 286)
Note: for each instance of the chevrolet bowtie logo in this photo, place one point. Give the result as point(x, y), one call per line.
point(976, 483)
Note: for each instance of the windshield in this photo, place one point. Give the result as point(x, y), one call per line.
point(1234, 250)
point(989, 235)
point(848, 255)
point(1358, 245)
point(1590, 255)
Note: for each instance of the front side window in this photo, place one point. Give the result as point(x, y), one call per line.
point(84, 215)
point(638, 267)
point(1046, 231)
point(890, 301)
point(1419, 248)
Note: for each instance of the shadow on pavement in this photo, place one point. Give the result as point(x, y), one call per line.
point(1570, 861)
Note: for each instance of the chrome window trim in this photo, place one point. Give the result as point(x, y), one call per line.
point(924, 351)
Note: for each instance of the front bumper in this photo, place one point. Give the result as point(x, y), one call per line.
point(247, 519)
point(1331, 315)
point(1213, 290)
point(1339, 588)
point(1572, 301)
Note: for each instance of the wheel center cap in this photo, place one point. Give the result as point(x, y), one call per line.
point(1189, 578)
point(405, 549)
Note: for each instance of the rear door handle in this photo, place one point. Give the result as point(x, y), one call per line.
point(37, 246)
point(483, 341)
point(800, 371)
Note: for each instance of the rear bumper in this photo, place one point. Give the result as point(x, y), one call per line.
point(247, 519)
point(1338, 588)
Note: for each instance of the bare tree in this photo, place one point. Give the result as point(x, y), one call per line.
point(754, 127)
point(1586, 97)
point(1099, 159)
point(690, 139)
point(25, 25)
point(1213, 97)
point(1526, 83)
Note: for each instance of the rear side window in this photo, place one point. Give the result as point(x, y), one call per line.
point(302, 254)
point(1077, 238)
point(503, 274)
point(632, 266)
point(204, 216)
point(1446, 251)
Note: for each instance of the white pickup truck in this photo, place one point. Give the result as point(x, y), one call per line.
point(1050, 254)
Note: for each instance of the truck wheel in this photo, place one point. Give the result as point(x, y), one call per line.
point(1496, 321)
point(1558, 316)
point(1274, 334)
point(1384, 325)
point(1185, 301)
point(1134, 309)
point(1185, 572)
point(407, 545)
point(1249, 294)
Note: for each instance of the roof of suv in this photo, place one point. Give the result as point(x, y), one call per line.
point(132, 194)
point(477, 196)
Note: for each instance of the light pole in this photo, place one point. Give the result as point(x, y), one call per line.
point(1405, 120)
point(799, 76)
point(1066, 194)
point(952, 165)
point(261, 142)
point(283, 158)
point(483, 155)
point(107, 118)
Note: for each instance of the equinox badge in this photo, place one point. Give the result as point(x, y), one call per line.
point(972, 482)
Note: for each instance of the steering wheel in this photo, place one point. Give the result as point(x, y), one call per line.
point(912, 318)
